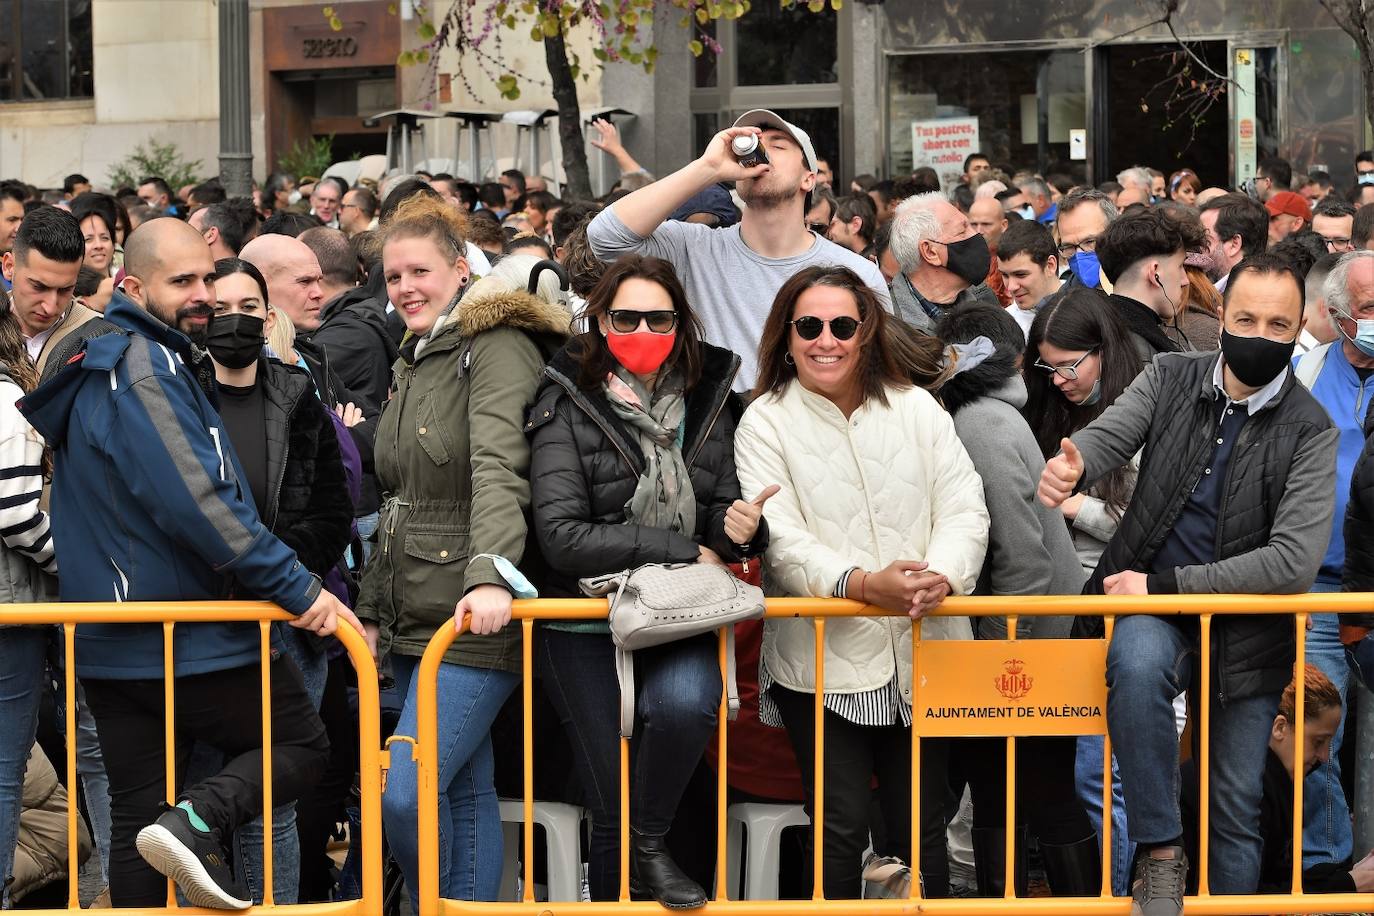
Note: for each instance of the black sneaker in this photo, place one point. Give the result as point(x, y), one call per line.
point(1158, 887)
point(194, 859)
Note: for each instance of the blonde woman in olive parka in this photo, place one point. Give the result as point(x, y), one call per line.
point(453, 461)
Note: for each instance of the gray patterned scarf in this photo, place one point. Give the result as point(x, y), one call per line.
point(663, 498)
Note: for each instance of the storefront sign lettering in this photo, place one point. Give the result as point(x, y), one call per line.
point(942, 144)
point(330, 47)
point(992, 688)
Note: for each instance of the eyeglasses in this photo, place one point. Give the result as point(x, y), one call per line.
point(818, 228)
point(627, 321)
point(809, 327)
point(1067, 249)
point(1336, 244)
point(1069, 372)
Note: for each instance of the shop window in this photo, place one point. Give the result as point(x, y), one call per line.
point(45, 50)
point(1026, 106)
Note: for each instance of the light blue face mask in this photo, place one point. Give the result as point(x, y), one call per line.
point(519, 586)
point(1364, 333)
point(1027, 212)
point(1086, 268)
point(1366, 178)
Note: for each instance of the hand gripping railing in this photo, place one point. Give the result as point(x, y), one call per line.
point(169, 615)
point(1205, 607)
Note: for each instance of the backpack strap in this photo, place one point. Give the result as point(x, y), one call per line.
point(1310, 365)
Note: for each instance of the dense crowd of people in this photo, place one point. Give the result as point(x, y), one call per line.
point(395, 407)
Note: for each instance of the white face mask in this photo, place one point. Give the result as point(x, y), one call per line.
point(294, 198)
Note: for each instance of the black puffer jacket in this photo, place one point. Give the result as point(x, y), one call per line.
point(308, 508)
point(1359, 529)
point(1279, 488)
point(586, 463)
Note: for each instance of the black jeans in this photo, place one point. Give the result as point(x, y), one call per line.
point(854, 755)
point(1046, 791)
point(222, 709)
point(677, 694)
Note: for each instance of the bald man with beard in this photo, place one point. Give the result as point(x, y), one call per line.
point(149, 504)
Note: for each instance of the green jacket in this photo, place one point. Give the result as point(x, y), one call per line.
point(453, 461)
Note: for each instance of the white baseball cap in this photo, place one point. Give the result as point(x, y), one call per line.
point(763, 118)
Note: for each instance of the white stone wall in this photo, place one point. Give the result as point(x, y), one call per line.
point(156, 76)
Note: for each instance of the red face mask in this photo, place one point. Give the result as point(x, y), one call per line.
point(642, 352)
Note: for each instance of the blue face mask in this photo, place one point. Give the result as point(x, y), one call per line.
point(1364, 334)
point(1086, 268)
point(1027, 212)
point(1367, 178)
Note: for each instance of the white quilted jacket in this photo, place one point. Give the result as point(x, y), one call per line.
point(890, 483)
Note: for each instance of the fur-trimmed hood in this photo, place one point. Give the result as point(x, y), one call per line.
point(995, 377)
point(490, 303)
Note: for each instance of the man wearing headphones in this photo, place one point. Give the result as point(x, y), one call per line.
point(1142, 256)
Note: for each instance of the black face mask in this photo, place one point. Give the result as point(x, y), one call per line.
point(969, 259)
point(235, 340)
point(1255, 361)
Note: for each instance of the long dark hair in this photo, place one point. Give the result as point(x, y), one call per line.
point(1079, 319)
point(109, 209)
point(590, 349)
point(890, 354)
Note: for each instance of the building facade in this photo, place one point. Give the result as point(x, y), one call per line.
point(1080, 87)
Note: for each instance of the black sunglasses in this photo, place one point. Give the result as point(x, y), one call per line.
point(818, 228)
point(841, 328)
point(627, 321)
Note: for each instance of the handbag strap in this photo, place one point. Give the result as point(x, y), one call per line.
point(625, 674)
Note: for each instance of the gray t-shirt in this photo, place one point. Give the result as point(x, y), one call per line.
point(729, 286)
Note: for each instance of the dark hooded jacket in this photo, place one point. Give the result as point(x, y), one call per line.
point(150, 504)
point(587, 463)
point(333, 391)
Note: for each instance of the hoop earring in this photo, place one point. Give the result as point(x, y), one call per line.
point(787, 358)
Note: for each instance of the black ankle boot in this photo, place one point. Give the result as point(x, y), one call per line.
point(1074, 870)
point(990, 861)
point(653, 872)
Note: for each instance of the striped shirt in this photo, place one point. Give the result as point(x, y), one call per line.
point(23, 525)
point(882, 706)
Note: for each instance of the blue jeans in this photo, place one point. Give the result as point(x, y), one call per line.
point(1150, 662)
point(367, 526)
point(1326, 831)
point(1088, 772)
point(677, 696)
point(23, 659)
point(470, 844)
point(90, 765)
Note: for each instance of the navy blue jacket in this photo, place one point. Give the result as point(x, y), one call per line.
point(149, 503)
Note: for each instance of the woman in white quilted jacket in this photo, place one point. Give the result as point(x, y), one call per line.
point(879, 503)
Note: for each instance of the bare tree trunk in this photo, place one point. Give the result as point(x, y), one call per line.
point(578, 184)
point(1350, 16)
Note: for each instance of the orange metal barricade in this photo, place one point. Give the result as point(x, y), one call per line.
point(1206, 607)
point(169, 615)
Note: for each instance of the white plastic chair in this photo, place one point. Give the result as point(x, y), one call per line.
point(563, 848)
point(762, 826)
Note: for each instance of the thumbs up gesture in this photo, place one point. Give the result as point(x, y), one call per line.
point(742, 518)
point(1061, 475)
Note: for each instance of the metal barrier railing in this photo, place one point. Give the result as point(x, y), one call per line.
point(264, 614)
point(1205, 607)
